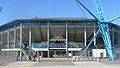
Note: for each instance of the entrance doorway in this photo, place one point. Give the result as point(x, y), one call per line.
point(57, 53)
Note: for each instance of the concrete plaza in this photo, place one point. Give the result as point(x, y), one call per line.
point(61, 64)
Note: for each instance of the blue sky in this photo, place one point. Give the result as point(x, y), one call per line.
point(16, 9)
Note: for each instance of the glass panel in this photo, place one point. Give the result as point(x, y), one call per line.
point(75, 45)
point(42, 23)
point(38, 45)
point(54, 23)
point(76, 23)
point(26, 24)
point(89, 23)
point(57, 44)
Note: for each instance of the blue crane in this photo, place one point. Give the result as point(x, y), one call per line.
point(103, 28)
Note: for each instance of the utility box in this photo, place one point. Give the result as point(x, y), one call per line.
point(70, 54)
point(99, 53)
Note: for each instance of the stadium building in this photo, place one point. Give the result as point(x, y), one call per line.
point(28, 39)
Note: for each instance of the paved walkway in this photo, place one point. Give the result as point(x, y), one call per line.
point(59, 64)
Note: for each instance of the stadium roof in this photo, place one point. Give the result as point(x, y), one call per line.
point(51, 19)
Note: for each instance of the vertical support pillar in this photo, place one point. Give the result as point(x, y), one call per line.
point(54, 54)
point(14, 43)
point(41, 55)
point(38, 59)
point(85, 37)
point(94, 35)
point(2, 46)
point(30, 35)
point(8, 46)
point(113, 35)
point(20, 40)
point(31, 44)
point(48, 36)
point(71, 55)
point(30, 38)
point(8, 39)
point(14, 36)
point(66, 40)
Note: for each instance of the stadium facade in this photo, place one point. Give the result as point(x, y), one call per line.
point(51, 38)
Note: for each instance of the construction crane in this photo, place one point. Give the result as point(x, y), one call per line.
point(103, 27)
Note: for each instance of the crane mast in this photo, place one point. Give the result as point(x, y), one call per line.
point(104, 29)
point(99, 11)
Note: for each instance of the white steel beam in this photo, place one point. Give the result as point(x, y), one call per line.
point(48, 36)
point(20, 40)
point(8, 39)
point(94, 35)
point(66, 29)
point(14, 36)
point(85, 37)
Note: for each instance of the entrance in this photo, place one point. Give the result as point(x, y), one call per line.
point(57, 53)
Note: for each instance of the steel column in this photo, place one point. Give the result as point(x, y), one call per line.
point(54, 54)
point(38, 59)
point(48, 36)
point(14, 36)
point(94, 35)
point(8, 39)
point(30, 38)
point(20, 40)
point(66, 29)
point(2, 45)
point(85, 43)
point(41, 55)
